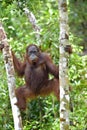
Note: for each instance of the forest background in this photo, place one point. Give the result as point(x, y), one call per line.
point(43, 113)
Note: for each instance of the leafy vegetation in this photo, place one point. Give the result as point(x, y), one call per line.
point(43, 113)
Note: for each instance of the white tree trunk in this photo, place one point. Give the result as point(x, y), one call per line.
point(63, 65)
point(11, 79)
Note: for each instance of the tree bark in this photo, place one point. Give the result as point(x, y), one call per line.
point(63, 65)
point(11, 79)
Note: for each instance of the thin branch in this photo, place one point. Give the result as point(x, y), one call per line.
point(33, 21)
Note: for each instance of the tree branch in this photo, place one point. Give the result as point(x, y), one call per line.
point(33, 21)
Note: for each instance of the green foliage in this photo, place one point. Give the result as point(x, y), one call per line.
point(78, 78)
point(43, 113)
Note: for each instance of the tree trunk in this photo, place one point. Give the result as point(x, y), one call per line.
point(11, 79)
point(63, 66)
